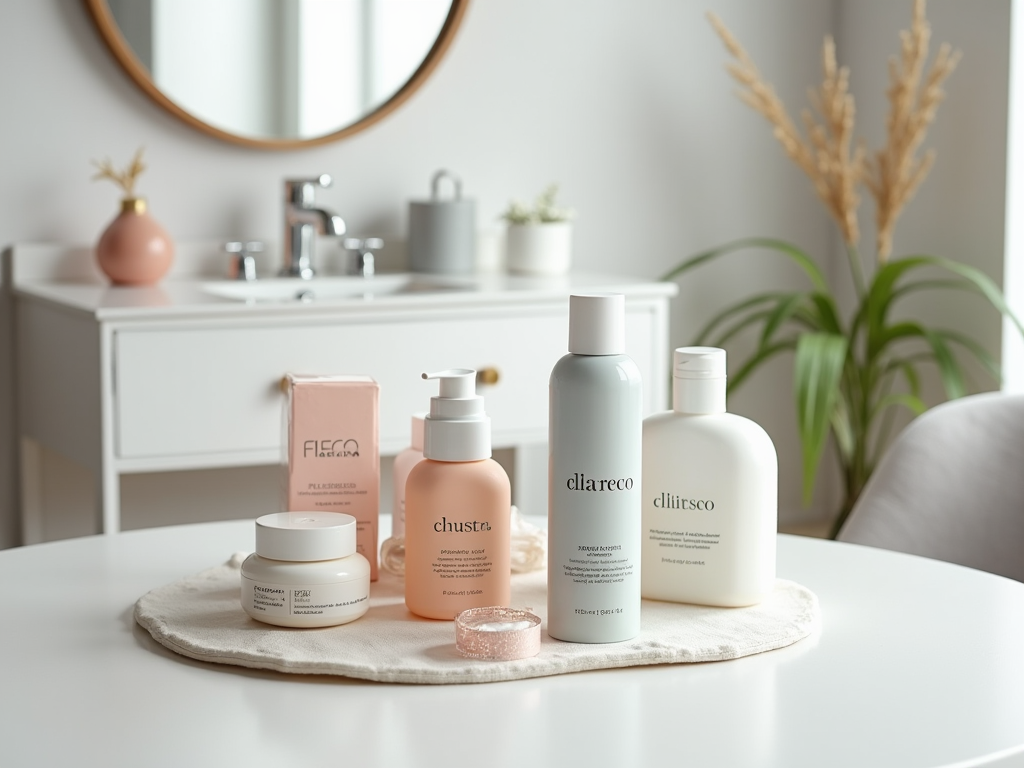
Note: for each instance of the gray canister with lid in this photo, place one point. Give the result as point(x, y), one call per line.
point(442, 233)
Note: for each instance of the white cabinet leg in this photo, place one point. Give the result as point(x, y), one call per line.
point(109, 484)
point(31, 491)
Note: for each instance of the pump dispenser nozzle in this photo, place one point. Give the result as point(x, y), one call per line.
point(457, 428)
point(455, 382)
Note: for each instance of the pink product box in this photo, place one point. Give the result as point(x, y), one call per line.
point(334, 453)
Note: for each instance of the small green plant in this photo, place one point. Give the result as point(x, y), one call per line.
point(544, 210)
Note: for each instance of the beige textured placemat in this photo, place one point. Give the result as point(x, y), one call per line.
point(200, 617)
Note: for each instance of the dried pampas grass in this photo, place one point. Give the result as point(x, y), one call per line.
point(124, 179)
point(827, 153)
point(895, 172)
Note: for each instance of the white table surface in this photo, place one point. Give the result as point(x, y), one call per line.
point(919, 663)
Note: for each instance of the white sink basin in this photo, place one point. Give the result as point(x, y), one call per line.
point(286, 289)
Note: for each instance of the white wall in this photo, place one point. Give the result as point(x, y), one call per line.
point(625, 103)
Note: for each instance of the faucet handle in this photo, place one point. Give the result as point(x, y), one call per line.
point(236, 246)
point(303, 191)
point(362, 248)
point(363, 244)
point(243, 265)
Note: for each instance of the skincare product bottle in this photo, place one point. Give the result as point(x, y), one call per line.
point(305, 571)
point(710, 493)
point(392, 551)
point(596, 412)
point(458, 504)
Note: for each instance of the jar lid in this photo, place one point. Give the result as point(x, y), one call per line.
point(305, 536)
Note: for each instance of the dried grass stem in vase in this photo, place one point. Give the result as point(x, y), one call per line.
point(124, 179)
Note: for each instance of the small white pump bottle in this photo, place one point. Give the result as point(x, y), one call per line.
point(596, 413)
point(710, 493)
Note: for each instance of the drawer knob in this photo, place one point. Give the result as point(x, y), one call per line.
point(488, 376)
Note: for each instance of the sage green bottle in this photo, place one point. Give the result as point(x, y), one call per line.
point(594, 502)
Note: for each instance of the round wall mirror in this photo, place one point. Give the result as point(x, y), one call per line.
point(278, 74)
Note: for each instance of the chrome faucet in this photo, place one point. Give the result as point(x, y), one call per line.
point(302, 221)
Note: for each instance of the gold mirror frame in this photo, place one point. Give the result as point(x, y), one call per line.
point(111, 35)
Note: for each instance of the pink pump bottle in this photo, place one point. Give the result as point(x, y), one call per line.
point(458, 504)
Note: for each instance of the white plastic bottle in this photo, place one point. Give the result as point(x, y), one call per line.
point(710, 493)
point(392, 551)
point(596, 413)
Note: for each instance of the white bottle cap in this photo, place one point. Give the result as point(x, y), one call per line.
point(305, 536)
point(456, 429)
point(698, 363)
point(597, 324)
point(416, 442)
point(698, 380)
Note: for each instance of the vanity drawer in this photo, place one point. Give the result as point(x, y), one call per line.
point(216, 389)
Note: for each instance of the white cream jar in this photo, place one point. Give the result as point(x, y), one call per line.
point(306, 571)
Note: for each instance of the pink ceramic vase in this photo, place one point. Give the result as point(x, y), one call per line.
point(135, 249)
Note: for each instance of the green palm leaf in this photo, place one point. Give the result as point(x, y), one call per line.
point(982, 355)
point(818, 369)
point(828, 314)
point(842, 428)
point(949, 368)
point(933, 285)
point(784, 310)
point(736, 309)
point(883, 293)
point(739, 326)
point(805, 262)
point(754, 361)
point(907, 400)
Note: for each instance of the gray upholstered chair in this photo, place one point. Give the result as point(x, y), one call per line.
point(951, 487)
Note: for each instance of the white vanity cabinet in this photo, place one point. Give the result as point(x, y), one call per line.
point(170, 378)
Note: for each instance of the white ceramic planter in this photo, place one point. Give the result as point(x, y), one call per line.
point(539, 249)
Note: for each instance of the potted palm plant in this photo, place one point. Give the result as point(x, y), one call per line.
point(852, 372)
